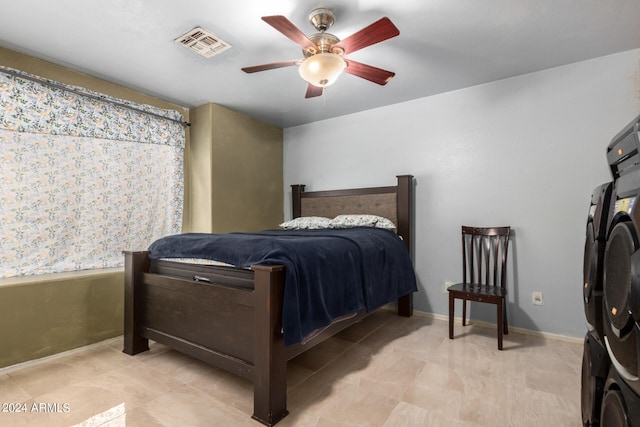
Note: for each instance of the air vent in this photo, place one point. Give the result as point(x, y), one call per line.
point(202, 42)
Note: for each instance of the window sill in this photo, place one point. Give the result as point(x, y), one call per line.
point(57, 277)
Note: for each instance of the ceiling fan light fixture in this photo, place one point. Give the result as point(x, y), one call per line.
point(322, 69)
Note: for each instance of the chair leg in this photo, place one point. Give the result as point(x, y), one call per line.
point(451, 309)
point(500, 323)
point(464, 312)
point(506, 324)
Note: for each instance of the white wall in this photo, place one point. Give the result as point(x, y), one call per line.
point(525, 151)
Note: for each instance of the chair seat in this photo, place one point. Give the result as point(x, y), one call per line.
point(477, 289)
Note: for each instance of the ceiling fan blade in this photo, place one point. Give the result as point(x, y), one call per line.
point(377, 32)
point(271, 66)
point(286, 27)
point(313, 91)
point(368, 72)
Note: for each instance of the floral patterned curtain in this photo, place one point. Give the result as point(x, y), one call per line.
point(82, 179)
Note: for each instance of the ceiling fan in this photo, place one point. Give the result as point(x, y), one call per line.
point(324, 53)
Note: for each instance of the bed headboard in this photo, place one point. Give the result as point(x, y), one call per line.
point(393, 202)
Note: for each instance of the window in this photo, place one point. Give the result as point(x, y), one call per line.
point(83, 176)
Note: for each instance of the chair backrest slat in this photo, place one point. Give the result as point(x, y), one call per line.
point(484, 255)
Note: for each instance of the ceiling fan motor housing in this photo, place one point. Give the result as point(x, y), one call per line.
point(323, 43)
point(322, 18)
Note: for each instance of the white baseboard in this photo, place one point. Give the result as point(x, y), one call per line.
point(481, 323)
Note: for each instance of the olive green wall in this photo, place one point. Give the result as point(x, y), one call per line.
point(201, 176)
point(237, 171)
point(61, 312)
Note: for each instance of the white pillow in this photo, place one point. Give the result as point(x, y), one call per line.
point(385, 223)
point(306, 223)
point(362, 220)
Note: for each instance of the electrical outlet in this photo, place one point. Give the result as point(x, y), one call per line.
point(536, 298)
point(446, 286)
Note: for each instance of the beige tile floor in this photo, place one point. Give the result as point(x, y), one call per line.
point(384, 371)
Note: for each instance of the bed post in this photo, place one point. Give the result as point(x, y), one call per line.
point(405, 221)
point(136, 264)
point(269, 359)
point(296, 200)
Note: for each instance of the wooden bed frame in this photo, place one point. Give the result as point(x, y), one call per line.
point(230, 317)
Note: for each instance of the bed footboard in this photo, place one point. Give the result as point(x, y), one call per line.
point(220, 320)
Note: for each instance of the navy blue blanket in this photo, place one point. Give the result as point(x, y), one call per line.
point(328, 273)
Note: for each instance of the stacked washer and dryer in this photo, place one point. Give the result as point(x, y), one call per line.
point(611, 356)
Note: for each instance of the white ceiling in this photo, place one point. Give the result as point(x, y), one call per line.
point(443, 45)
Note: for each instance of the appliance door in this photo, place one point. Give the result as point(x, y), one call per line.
point(621, 287)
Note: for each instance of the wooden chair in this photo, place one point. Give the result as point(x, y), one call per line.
point(484, 267)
